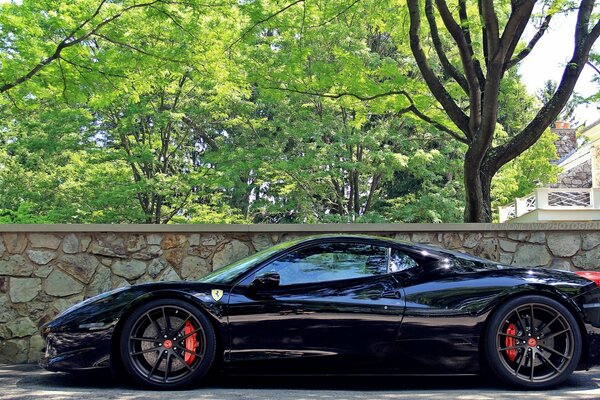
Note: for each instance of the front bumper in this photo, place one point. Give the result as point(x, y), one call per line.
point(77, 351)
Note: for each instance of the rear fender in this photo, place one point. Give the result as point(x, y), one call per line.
point(552, 293)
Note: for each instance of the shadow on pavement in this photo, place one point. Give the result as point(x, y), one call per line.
point(32, 378)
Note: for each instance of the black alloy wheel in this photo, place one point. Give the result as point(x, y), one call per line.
point(533, 342)
point(167, 344)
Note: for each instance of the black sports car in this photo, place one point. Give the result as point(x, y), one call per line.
point(340, 305)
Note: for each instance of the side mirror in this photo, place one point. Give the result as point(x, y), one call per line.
point(266, 280)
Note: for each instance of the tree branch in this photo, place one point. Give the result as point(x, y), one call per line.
point(90, 69)
point(465, 26)
point(87, 21)
point(412, 108)
point(64, 82)
point(438, 125)
point(457, 116)
point(175, 21)
point(67, 42)
point(336, 16)
point(138, 50)
point(339, 95)
point(437, 44)
point(262, 21)
point(593, 66)
point(584, 40)
point(499, 52)
point(210, 141)
point(513, 30)
point(466, 57)
point(490, 22)
point(374, 186)
point(525, 52)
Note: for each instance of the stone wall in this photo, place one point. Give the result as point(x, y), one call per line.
point(566, 142)
point(578, 177)
point(45, 269)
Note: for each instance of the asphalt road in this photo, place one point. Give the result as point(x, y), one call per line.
point(29, 382)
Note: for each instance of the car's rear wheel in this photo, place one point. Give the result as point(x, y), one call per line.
point(532, 342)
point(167, 344)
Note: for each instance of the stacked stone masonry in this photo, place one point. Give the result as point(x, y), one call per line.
point(578, 177)
point(566, 142)
point(41, 274)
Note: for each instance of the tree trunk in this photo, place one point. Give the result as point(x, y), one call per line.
point(478, 186)
point(473, 192)
point(477, 127)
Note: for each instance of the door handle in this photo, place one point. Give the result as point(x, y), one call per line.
point(391, 294)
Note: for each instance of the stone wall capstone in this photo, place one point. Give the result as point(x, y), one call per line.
point(43, 273)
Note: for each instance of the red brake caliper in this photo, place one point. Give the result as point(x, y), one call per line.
point(190, 343)
point(511, 341)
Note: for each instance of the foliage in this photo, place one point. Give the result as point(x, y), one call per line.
point(206, 111)
point(594, 63)
point(568, 113)
point(519, 177)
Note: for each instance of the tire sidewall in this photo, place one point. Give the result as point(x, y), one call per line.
point(495, 365)
point(196, 376)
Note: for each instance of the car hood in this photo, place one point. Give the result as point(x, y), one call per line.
point(104, 310)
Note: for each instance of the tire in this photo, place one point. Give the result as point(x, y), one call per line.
point(167, 344)
point(532, 342)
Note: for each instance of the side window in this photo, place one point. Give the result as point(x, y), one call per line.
point(400, 261)
point(330, 262)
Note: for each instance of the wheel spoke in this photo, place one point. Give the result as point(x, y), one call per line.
point(521, 362)
point(555, 352)
point(183, 324)
point(156, 364)
point(546, 360)
point(167, 322)
point(517, 346)
point(532, 362)
point(192, 352)
point(168, 368)
point(155, 323)
point(182, 360)
point(520, 320)
point(556, 334)
point(190, 334)
point(145, 339)
point(511, 336)
point(543, 325)
point(137, 353)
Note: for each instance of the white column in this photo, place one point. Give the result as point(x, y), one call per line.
point(595, 198)
point(595, 156)
point(541, 198)
point(520, 206)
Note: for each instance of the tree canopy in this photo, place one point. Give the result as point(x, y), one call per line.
point(159, 111)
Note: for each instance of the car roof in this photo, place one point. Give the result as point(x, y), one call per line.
point(417, 247)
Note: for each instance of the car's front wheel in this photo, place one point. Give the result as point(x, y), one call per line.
point(532, 342)
point(167, 344)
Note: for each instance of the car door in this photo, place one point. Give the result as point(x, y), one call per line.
point(336, 307)
point(440, 331)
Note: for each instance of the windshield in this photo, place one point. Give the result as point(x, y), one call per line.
point(231, 272)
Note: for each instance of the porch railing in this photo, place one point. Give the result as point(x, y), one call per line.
point(551, 199)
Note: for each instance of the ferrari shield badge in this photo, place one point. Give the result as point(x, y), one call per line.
point(216, 294)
